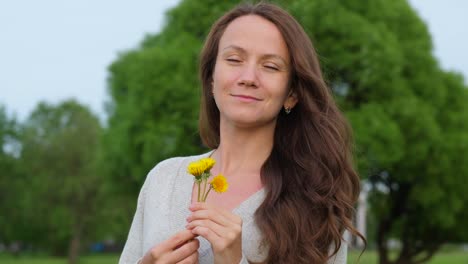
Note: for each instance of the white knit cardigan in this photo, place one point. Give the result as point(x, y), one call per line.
point(162, 210)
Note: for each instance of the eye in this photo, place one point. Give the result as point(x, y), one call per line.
point(233, 60)
point(271, 67)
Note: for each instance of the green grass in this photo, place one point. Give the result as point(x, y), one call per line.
point(97, 259)
point(369, 257)
point(443, 257)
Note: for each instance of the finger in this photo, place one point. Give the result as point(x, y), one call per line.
point(210, 215)
point(216, 211)
point(184, 251)
point(179, 238)
point(206, 206)
point(172, 243)
point(219, 230)
point(192, 259)
point(209, 235)
point(227, 235)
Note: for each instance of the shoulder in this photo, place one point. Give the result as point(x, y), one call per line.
point(176, 162)
point(173, 166)
point(163, 174)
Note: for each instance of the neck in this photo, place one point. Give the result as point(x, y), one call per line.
point(242, 151)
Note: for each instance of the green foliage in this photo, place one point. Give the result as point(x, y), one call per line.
point(9, 172)
point(379, 139)
point(153, 114)
point(59, 184)
point(408, 115)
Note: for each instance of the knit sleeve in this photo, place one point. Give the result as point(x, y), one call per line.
point(133, 249)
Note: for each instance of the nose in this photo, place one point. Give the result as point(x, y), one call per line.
point(248, 76)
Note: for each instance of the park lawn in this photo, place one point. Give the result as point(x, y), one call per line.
point(369, 257)
point(96, 259)
point(442, 257)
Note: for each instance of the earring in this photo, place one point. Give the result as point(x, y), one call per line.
point(287, 109)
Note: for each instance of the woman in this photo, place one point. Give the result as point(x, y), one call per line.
point(279, 139)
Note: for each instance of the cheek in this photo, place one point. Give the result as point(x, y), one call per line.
point(223, 77)
point(278, 87)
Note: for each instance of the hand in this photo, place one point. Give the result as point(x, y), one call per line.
point(182, 248)
point(221, 228)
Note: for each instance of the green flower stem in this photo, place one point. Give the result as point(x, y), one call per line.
point(204, 188)
point(206, 194)
point(205, 177)
point(198, 199)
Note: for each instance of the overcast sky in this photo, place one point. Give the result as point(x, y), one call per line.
point(53, 49)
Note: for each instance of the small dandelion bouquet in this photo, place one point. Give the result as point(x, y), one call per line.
point(201, 171)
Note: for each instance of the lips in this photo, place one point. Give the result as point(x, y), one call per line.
point(246, 97)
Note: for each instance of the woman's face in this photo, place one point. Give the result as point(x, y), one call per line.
point(250, 79)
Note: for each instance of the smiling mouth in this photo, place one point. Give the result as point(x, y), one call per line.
point(246, 97)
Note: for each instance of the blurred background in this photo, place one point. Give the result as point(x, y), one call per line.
point(93, 94)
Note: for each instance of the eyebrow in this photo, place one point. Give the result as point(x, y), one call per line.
point(243, 51)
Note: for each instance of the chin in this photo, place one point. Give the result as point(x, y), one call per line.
point(250, 121)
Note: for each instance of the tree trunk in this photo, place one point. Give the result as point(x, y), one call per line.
point(382, 230)
point(75, 243)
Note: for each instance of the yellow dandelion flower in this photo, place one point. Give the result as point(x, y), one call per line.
point(219, 184)
point(196, 168)
point(208, 163)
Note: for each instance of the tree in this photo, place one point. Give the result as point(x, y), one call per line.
point(10, 171)
point(60, 187)
point(407, 113)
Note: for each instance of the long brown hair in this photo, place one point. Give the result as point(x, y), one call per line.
point(309, 177)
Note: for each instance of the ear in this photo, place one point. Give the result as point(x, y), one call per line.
point(291, 100)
